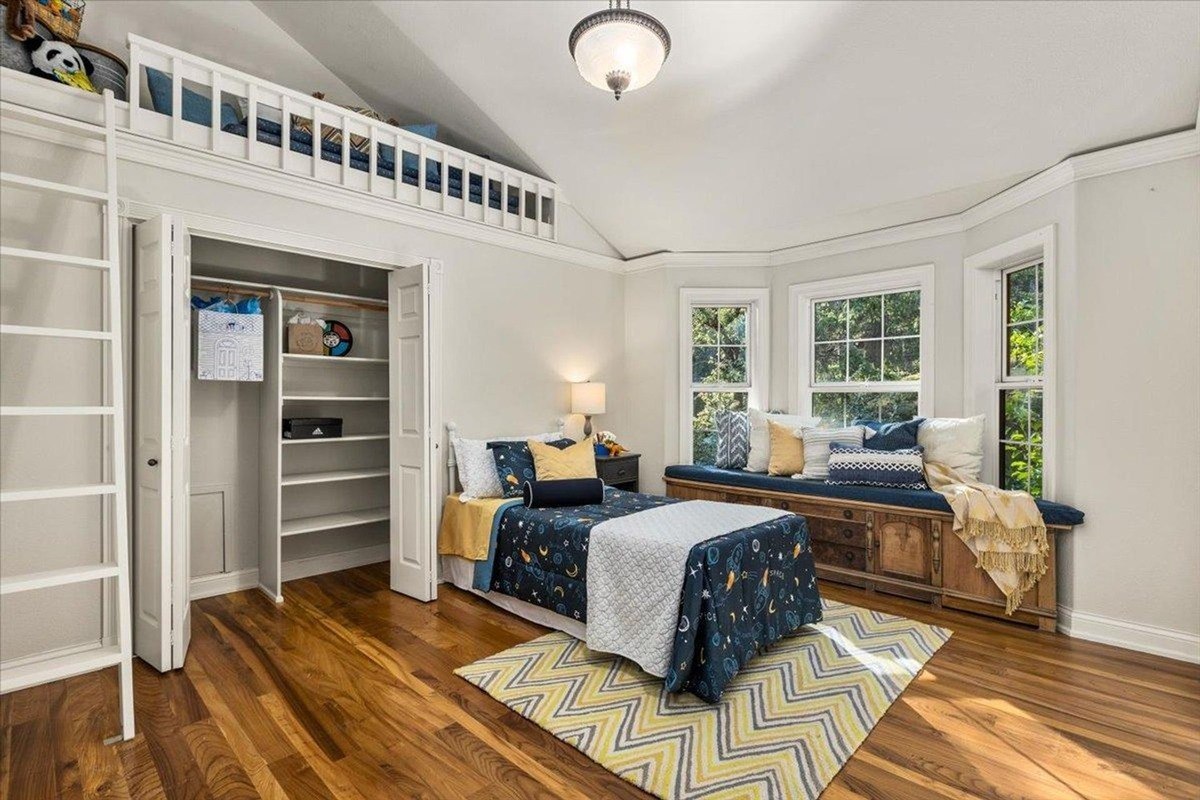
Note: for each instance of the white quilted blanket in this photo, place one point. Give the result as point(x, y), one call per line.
point(635, 574)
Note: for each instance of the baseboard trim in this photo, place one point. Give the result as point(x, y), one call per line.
point(1180, 645)
point(240, 580)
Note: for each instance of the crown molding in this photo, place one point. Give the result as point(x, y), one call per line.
point(1145, 153)
point(691, 260)
point(165, 155)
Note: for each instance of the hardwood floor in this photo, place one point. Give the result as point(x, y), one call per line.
point(346, 691)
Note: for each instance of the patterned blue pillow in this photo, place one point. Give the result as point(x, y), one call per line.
point(860, 466)
point(514, 464)
point(891, 435)
point(733, 439)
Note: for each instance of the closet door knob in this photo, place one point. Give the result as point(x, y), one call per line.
point(152, 462)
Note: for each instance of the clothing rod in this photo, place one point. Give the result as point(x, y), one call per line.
point(304, 297)
point(228, 288)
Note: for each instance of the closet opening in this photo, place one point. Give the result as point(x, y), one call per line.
point(291, 389)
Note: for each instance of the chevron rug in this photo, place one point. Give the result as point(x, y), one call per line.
point(783, 728)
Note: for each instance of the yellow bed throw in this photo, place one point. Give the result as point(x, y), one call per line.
point(1004, 529)
point(466, 529)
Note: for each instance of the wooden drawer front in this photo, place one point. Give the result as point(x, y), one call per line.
point(838, 555)
point(620, 471)
point(837, 531)
point(903, 546)
point(800, 506)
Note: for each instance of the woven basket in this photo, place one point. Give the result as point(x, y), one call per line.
point(62, 17)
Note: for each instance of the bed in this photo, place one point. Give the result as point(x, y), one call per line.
point(604, 573)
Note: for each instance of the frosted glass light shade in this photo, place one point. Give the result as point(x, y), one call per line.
point(587, 398)
point(619, 50)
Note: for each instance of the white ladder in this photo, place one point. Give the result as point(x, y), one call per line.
point(116, 550)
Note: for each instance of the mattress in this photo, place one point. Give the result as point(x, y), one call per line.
point(460, 572)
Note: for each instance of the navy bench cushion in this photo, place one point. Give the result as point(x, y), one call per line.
point(928, 500)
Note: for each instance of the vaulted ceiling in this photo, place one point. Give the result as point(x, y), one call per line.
point(773, 123)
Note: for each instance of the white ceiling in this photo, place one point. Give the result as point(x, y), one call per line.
point(774, 123)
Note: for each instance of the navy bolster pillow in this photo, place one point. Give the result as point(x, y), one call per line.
point(565, 492)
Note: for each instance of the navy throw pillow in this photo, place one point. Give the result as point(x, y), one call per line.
point(514, 464)
point(891, 435)
point(860, 466)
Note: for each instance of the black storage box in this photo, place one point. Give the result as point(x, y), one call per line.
point(312, 428)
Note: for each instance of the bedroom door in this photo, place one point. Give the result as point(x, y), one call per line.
point(161, 357)
point(413, 546)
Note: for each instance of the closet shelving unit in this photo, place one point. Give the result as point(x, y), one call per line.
point(115, 550)
point(307, 481)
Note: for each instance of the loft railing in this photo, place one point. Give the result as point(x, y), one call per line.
point(177, 96)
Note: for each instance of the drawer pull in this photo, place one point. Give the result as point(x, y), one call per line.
point(785, 505)
point(847, 513)
point(848, 533)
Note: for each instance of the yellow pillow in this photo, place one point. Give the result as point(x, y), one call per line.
point(576, 461)
point(787, 450)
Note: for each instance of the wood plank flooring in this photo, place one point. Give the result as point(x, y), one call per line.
point(346, 691)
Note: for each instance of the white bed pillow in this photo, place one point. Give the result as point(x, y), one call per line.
point(957, 443)
point(760, 436)
point(816, 446)
point(477, 465)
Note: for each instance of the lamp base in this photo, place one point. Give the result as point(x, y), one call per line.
point(587, 426)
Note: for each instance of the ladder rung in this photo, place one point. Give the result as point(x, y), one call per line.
point(58, 492)
point(61, 333)
point(56, 577)
point(58, 668)
point(56, 411)
point(13, 179)
point(14, 111)
point(55, 258)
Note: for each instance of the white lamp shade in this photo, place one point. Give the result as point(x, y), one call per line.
point(619, 47)
point(587, 398)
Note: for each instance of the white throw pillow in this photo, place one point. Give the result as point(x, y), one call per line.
point(957, 443)
point(760, 436)
point(477, 465)
point(816, 446)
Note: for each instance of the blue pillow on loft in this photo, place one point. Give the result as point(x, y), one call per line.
point(196, 107)
point(891, 435)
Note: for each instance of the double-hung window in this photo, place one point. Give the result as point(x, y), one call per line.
point(723, 362)
point(1020, 388)
point(1009, 324)
point(862, 346)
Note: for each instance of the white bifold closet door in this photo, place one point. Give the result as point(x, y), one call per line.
point(161, 355)
point(413, 548)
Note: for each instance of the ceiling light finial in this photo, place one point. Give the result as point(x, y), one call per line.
point(619, 49)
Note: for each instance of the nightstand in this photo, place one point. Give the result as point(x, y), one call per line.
point(619, 472)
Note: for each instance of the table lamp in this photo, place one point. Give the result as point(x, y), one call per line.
point(587, 399)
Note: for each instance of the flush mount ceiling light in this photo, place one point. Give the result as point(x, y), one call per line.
point(619, 49)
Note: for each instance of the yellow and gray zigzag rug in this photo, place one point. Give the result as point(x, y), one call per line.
point(784, 727)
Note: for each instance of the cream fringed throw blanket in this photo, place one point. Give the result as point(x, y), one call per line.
point(1004, 529)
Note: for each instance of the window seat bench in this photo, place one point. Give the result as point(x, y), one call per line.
point(897, 541)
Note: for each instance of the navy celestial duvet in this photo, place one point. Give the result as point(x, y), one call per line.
point(742, 591)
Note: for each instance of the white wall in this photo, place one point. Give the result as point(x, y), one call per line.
point(231, 32)
point(1129, 369)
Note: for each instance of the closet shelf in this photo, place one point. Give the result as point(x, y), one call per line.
point(303, 478)
point(301, 358)
point(309, 398)
point(53, 669)
point(326, 522)
point(55, 411)
point(360, 437)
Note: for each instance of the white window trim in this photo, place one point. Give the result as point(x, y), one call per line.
point(758, 336)
point(983, 347)
point(802, 296)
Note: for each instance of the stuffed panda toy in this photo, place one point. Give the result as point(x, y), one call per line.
point(59, 61)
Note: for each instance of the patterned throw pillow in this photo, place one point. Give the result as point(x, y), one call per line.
point(733, 439)
point(861, 466)
point(817, 442)
point(514, 464)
